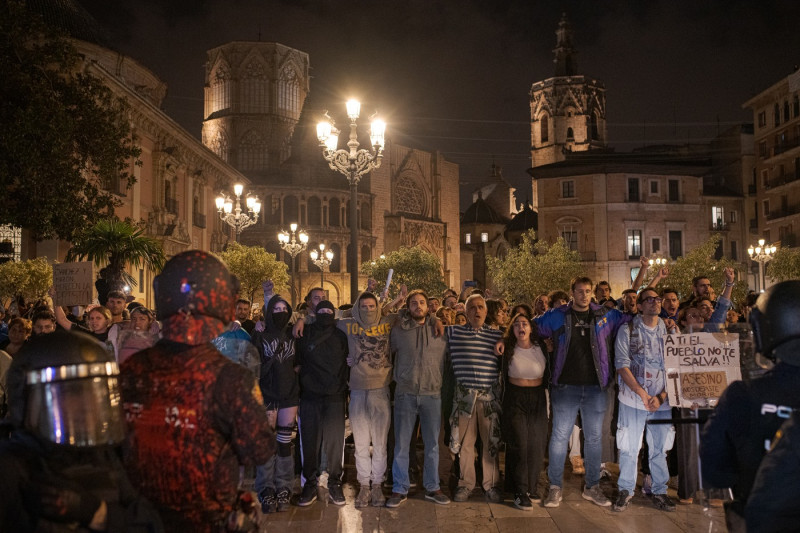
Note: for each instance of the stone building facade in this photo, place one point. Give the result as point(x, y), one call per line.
point(259, 119)
point(774, 192)
point(177, 178)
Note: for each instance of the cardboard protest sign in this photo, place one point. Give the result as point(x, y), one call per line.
point(700, 366)
point(74, 283)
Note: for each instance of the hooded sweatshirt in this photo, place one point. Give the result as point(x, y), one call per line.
point(278, 380)
point(419, 356)
point(368, 341)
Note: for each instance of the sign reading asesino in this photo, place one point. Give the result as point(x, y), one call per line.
point(700, 366)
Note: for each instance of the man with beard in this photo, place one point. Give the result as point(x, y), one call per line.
point(193, 415)
point(322, 365)
point(418, 370)
point(243, 311)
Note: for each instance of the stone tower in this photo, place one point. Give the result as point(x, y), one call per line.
point(254, 93)
point(568, 111)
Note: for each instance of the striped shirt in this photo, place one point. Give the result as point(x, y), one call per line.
point(472, 352)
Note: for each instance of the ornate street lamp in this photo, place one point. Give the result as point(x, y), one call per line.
point(658, 261)
point(235, 216)
point(293, 243)
point(322, 259)
point(762, 254)
point(353, 163)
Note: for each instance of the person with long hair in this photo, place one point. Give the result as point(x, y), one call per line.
point(526, 376)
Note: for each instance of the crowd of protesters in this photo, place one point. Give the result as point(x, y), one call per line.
point(573, 377)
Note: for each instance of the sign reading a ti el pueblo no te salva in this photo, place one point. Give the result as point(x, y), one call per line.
point(700, 366)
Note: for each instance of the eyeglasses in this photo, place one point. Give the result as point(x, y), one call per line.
point(652, 299)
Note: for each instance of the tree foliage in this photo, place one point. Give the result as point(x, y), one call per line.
point(533, 268)
point(30, 279)
point(115, 244)
point(64, 137)
point(414, 267)
point(785, 265)
point(700, 262)
point(253, 265)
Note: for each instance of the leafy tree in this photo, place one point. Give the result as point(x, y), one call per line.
point(414, 267)
point(533, 268)
point(29, 279)
point(700, 262)
point(253, 265)
point(115, 244)
point(784, 265)
point(65, 135)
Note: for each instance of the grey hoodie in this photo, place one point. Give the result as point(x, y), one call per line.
point(368, 341)
point(419, 356)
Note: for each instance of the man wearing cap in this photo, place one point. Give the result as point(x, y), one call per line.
point(193, 415)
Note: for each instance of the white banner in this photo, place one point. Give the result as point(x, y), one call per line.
point(700, 366)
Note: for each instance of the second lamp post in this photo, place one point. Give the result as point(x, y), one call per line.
point(293, 243)
point(353, 163)
point(322, 259)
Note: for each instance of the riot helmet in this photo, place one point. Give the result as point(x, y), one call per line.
point(197, 283)
point(64, 389)
point(776, 328)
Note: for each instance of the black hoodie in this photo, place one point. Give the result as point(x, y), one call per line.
point(278, 380)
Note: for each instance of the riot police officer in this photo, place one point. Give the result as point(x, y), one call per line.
point(60, 466)
point(748, 414)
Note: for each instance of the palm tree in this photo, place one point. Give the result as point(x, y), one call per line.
point(115, 244)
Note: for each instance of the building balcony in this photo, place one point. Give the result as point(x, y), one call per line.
point(720, 226)
point(786, 146)
point(171, 204)
point(198, 220)
point(783, 179)
point(784, 212)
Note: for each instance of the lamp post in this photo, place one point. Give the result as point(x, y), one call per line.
point(293, 243)
point(762, 254)
point(235, 216)
point(658, 261)
point(323, 259)
point(353, 163)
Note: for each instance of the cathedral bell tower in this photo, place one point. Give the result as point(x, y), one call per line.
point(568, 111)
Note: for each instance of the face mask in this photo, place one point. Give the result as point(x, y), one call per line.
point(326, 320)
point(281, 319)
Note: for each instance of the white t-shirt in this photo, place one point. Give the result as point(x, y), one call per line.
point(527, 363)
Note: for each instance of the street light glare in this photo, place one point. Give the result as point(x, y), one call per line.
point(353, 108)
point(238, 188)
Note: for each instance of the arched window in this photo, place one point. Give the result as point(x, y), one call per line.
point(365, 255)
point(255, 88)
point(289, 93)
point(570, 134)
point(314, 211)
point(595, 130)
point(334, 208)
point(290, 210)
point(544, 129)
point(252, 151)
point(336, 264)
point(220, 89)
point(272, 209)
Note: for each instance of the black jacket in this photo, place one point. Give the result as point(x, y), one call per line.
point(737, 435)
point(278, 380)
point(772, 505)
point(322, 357)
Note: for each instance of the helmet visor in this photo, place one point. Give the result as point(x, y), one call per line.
point(75, 405)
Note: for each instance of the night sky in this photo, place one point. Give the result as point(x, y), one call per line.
point(454, 76)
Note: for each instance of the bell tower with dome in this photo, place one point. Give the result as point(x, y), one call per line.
point(568, 111)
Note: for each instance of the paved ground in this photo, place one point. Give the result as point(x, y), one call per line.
point(476, 515)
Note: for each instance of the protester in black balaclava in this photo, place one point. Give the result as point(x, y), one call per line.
point(281, 391)
point(322, 359)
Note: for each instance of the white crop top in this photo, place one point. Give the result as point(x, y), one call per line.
point(527, 363)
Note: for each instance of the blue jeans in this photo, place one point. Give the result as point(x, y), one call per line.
point(406, 409)
point(567, 401)
point(660, 437)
